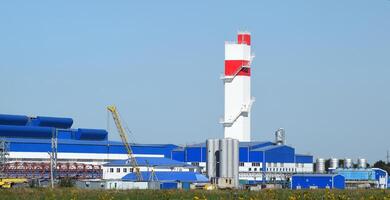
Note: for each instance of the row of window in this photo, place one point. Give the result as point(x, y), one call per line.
point(273, 169)
point(257, 164)
point(119, 170)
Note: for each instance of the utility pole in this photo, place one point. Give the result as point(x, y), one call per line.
point(387, 157)
point(53, 156)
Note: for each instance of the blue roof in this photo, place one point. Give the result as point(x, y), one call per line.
point(315, 175)
point(242, 144)
point(169, 176)
point(266, 148)
point(149, 161)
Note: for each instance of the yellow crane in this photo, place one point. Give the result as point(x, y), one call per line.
point(123, 135)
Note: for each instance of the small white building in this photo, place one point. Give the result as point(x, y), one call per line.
point(115, 170)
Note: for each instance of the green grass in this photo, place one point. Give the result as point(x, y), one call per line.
point(73, 194)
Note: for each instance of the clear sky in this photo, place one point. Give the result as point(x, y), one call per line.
point(322, 68)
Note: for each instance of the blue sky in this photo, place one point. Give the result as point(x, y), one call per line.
point(321, 69)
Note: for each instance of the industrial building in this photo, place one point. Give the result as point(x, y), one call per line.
point(364, 177)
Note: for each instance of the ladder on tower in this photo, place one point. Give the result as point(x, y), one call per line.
point(245, 108)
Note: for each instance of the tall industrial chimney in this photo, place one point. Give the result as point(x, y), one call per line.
point(237, 84)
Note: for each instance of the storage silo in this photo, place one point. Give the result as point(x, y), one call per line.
point(348, 163)
point(236, 162)
point(223, 158)
point(362, 163)
point(212, 146)
point(334, 163)
point(320, 165)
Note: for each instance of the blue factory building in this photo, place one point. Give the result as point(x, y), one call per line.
point(30, 138)
point(317, 181)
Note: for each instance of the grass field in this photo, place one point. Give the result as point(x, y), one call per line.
point(73, 194)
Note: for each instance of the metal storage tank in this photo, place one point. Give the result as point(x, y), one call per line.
point(280, 137)
point(348, 163)
point(334, 163)
point(223, 158)
point(236, 162)
point(212, 146)
point(320, 165)
point(362, 163)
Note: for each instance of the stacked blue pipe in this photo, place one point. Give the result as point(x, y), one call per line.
point(91, 134)
point(20, 126)
point(55, 122)
point(19, 120)
point(26, 131)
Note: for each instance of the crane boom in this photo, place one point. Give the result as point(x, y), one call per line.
point(123, 135)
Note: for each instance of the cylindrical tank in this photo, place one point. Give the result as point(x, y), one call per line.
point(223, 158)
point(362, 163)
point(236, 162)
point(212, 146)
point(348, 163)
point(320, 165)
point(334, 163)
point(280, 136)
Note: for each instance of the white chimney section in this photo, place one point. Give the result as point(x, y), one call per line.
point(237, 83)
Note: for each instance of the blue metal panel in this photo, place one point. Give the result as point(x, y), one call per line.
point(55, 122)
point(280, 154)
point(178, 155)
point(65, 134)
point(263, 144)
point(255, 156)
point(91, 134)
point(313, 180)
point(338, 182)
point(244, 154)
point(303, 158)
point(25, 132)
point(20, 120)
point(168, 185)
point(193, 154)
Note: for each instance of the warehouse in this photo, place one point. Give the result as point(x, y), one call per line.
point(317, 181)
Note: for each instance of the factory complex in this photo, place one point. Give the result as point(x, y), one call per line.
point(44, 148)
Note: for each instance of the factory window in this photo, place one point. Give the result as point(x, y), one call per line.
point(268, 164)
point(195, 163)
point(254, 169)
point(249, 169)
point(281, 164)
point(124, 170)
point(242, 164)
point(112, 170)
point(118, 170)
point(131, 170)
point(255, 164)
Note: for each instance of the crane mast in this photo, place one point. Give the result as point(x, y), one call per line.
point(122, 134)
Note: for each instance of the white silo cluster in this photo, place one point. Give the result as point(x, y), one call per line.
point(334, 163)
point(223, 160)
